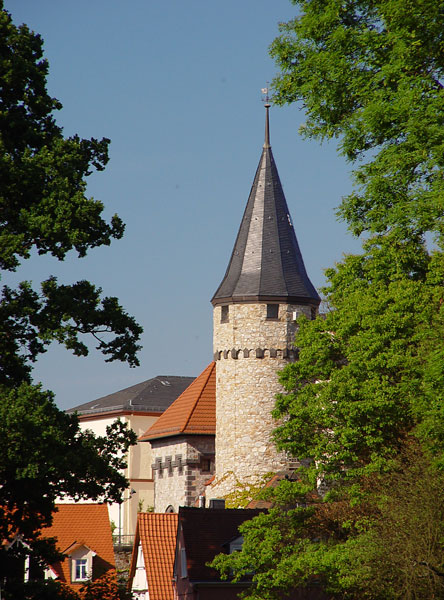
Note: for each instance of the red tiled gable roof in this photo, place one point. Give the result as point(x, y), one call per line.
point(157, 534)
point(194, 411)
point(82, 524)
point(206, 531)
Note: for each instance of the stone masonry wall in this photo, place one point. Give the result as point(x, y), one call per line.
point(181, 467)
point(249, 350)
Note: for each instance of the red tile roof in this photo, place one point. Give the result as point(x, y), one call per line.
point(82, 524)
point(193, 412)
point(157, 534)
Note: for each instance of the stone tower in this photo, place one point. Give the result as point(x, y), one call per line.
point(263, 291)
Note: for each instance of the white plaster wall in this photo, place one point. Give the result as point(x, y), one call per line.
point(139, 586)
point(138, 471)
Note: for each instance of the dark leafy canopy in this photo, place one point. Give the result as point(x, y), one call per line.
point(43, 203)
point(364, 401)
point(46, 456)
point(44, 210)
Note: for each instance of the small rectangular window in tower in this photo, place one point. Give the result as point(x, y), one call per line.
point(205, 464)
point(272, 311)
point(224, 314)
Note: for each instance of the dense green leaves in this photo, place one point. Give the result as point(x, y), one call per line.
point(44, 209)
point(42, 197)
point(371, 73)
point(46, 456)
point(364, 403)
point(62, 313)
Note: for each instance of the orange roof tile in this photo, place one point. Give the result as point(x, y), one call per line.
point(81, 524)
point(193, 412)
point(157, 534)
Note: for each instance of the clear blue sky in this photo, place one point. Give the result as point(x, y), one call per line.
point(176, 86)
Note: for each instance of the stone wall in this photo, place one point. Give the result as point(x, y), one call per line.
point(182, 466)
point(249, 350)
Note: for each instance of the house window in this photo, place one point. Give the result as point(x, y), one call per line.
point(224, 317)
point(236, 544)
point(183, 563)
point(272, 311)
point(80, 569)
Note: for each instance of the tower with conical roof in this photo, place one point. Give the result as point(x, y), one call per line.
point(264, 289)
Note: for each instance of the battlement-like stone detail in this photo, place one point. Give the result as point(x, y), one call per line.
point(181, 468)
point(249, 350)
point(290, 353)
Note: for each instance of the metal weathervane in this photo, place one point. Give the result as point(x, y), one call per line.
point(264, 91)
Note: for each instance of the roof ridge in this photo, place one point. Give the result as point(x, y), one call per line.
point(184, 415)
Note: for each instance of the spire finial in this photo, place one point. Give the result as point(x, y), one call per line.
point(266, 101)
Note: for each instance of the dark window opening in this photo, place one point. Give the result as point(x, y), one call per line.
point(313, 313)
point(272, 311)
point(224, 314)
point(206, 464)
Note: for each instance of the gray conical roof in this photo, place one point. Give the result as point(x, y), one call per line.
point(266, 263)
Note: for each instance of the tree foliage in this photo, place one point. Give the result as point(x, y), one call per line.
point(371, 74)
point(364, 402)
point(45, 210)
point(105, 587)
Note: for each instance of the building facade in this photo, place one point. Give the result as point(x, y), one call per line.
point(139, 406)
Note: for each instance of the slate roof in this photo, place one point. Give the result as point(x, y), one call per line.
point(207, 531)
point(153, 395)
point(266, 263)
point(193, 413)
point(82, 525)
point(157, 534)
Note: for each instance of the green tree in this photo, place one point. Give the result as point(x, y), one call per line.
point(45, 210)
point(369, 379)
point(370, 74)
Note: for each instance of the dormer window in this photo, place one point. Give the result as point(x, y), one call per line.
point(80, 569)
point(224, 314)
point(272, 311)
point(81, 563)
